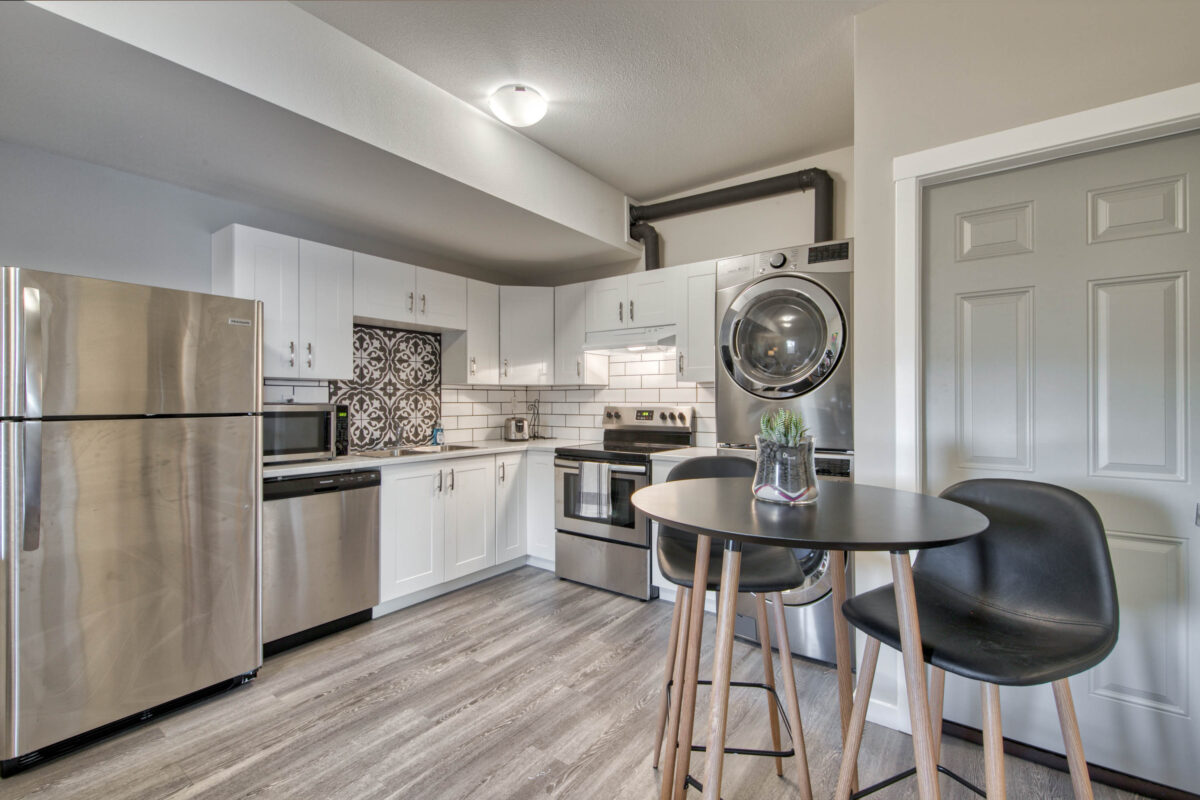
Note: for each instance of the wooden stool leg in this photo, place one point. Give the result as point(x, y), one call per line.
point(1080, 780)
point(858, 720)
point(718, 713)
point(793, 701)
point(993, 741)
point(675, 786)
point(764, 636)
point(672, 647)
point(914, 677)
point(684, 598)
point(841, 639)
point(937, 701)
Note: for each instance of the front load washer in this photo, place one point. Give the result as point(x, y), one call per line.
point(783, 341)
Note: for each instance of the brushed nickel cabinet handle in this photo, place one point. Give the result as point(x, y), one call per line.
point(439, 488)
point(621, 311)
point(410, 301)
point(291, 354)
point(579, 368)
point(631, 311)
point(422, 304)
point(472, 365)
point(452, 480)
point(681, 362)
point(310, 355)
point(502, 465)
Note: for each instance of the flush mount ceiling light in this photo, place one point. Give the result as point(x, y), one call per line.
point(517, 104)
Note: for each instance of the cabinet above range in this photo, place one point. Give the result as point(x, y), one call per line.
point(392, 293)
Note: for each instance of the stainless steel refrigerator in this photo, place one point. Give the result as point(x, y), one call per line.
point(130, 455)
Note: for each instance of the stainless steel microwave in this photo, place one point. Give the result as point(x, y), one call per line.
point(304, 432)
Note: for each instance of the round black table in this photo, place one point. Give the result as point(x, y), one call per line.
point(846, 516)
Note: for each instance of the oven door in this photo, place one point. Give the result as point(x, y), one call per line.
point(625, 524)
point(296, 432)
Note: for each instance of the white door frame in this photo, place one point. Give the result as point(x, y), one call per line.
point(1149, 117)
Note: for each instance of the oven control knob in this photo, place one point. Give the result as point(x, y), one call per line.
point(608, 415)
point(778, 260)
point(662, 415)
point(672, 415)
point(682, 419)
point(616, 415)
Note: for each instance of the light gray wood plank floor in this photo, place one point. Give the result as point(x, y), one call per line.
point(519, 687)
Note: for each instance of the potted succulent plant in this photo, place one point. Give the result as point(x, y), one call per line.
point(786, 473)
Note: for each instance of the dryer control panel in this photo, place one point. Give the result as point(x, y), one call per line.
point(835, 256)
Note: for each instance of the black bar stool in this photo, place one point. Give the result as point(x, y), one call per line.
point(765, 571)
point(1031, 600)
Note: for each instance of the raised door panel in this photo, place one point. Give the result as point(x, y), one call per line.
point(483, 333)
point(526, 335)
point(326, 311)
point(607, 303)
point(654, 297)
point(470, 515)
point(696, 337)
point(265, 267)
point(412, 526)
point(384, 290)
point(441, 299)
point(510, 508)
point(539, 506)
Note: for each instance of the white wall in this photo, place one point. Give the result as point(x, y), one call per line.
point(750, 227)
point(65, 215)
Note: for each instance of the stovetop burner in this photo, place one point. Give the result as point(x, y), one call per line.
point(632, 434)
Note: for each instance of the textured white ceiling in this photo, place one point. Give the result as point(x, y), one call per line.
point(653, 97)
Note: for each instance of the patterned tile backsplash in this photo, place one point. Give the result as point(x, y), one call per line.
point(395, 396)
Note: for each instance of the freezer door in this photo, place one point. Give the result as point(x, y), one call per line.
point(86, 347)
point(137, 567)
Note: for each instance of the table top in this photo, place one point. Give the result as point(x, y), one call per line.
point(846, 516)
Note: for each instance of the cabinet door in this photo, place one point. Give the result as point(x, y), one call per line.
point(441, 299)
point(526, 335)
point(470, 515)
point(384, 290)
point(569, 322)
point(326, 311)
point(654, 297)
point(607, 304)
point(510, 507)
point(411, 529)
point(696, 341)
point(264, 266)
point(539, 506)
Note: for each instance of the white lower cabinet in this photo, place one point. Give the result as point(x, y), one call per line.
point(470, 515)
point(510, 507)
point(539, 500)
point(411, 529)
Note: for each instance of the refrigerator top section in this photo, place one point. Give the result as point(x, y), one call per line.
point(82, 347)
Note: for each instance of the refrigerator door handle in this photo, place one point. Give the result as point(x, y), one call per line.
point(34, 346)
point(30, 469)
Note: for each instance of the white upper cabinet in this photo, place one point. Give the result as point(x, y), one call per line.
point(384, 290)
point(473, 356)
point(526, 335)
point(654, 296)
point(326, 312)
point(392, 292)
point(304, 288)
point(441, 299)
point(572, 366)
point(607, 299)
point(636, 300)
point(695, 337)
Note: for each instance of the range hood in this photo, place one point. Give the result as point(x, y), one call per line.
point(657, 337)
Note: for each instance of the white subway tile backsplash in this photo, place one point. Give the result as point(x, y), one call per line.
point(706, 440)
point(486, 433)
point(678, 395)
point(456, 409)
point(616, 368)
point(591, 408)
point(580, 395)
point(706, 394)
point(487, 408)
point(581, 421)
point(658, 381)
point(610, 395)
point(643, 395)
point(625, 381)
point(458, 436)
point(618, 358)
point(551, 395)
point(473, 422)
point(552, 420)
point(564, 408)
point(565, 433)
point(641, 368)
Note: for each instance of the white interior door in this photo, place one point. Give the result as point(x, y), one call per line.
point(1059, 302)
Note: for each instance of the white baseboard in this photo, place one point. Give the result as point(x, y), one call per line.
point(445, 588)
point(540, 563)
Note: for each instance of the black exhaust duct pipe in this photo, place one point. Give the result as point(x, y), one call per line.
point(818, 180)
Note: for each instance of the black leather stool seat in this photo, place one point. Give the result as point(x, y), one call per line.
point(764, 568)
point(981, 642)
point(1030, 600)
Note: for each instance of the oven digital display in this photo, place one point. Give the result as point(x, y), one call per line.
point(644, 414)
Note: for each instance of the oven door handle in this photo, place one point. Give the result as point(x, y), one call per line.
point(623, 469)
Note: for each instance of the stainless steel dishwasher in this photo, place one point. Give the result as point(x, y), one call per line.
point(320, 555)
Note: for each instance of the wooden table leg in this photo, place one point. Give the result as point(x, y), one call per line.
point(731, 569)
point(687, 710)
point(841, 637)
point(914, 676)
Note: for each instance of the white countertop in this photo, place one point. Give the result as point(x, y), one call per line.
point(484, 448)
point(684, 453)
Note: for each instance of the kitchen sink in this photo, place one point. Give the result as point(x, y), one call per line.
point(394, 452)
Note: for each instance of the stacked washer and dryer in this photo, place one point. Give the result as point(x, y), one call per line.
point(783, 341)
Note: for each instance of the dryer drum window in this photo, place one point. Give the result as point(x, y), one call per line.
point(782, 337)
